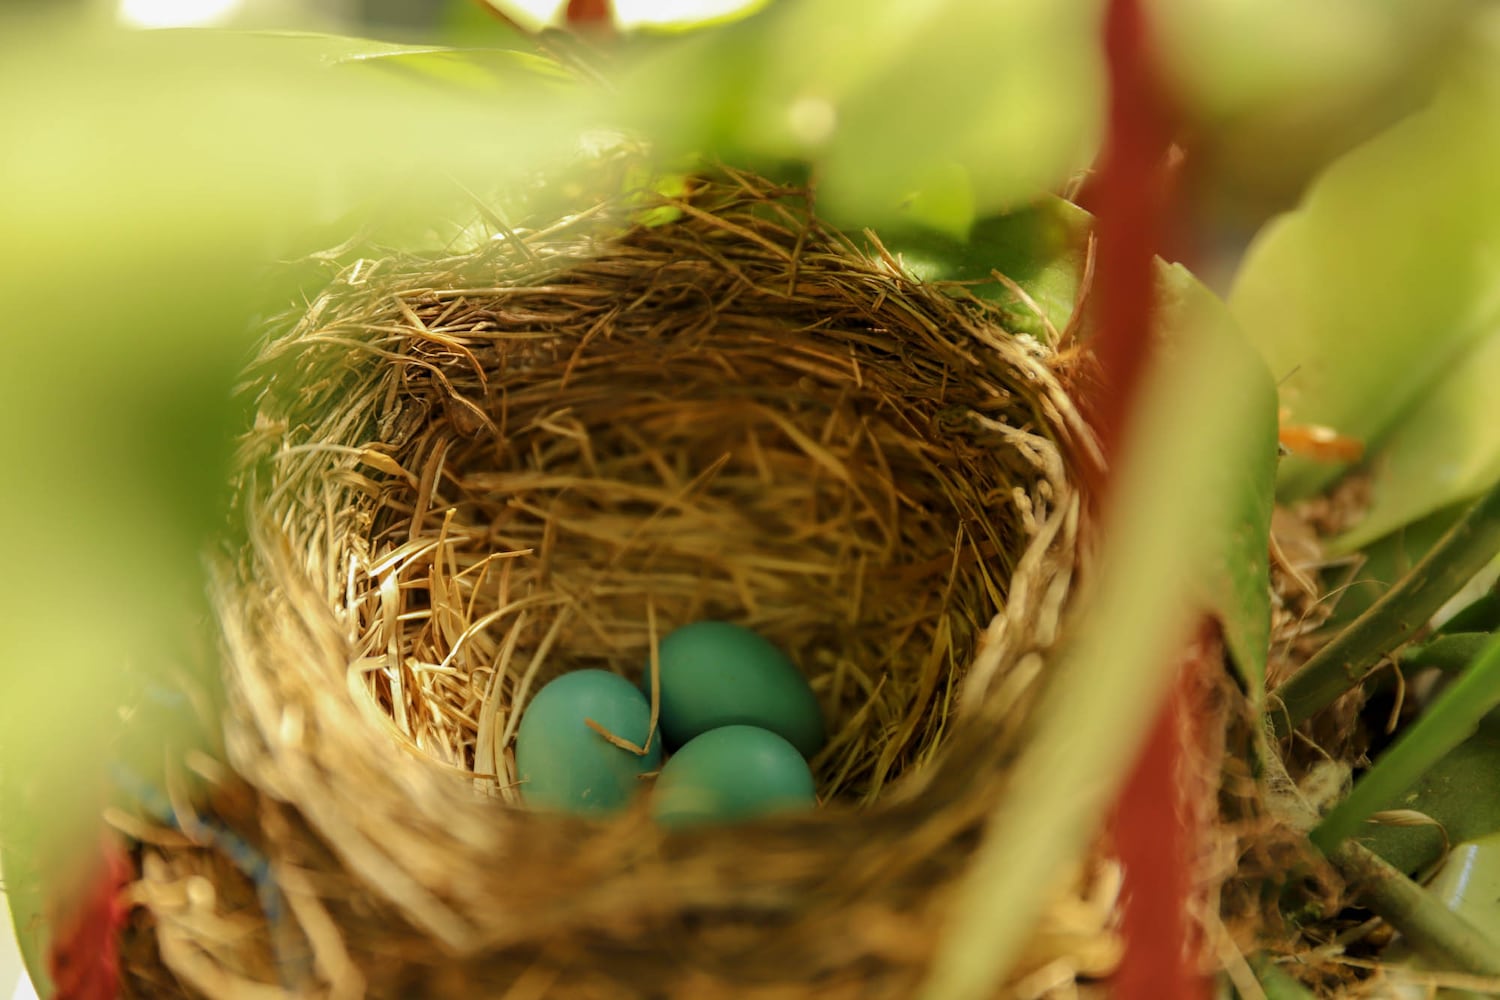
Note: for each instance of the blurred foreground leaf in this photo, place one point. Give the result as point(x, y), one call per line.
point(914, 114)
point(151, 181)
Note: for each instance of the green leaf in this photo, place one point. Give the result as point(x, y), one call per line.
point(899, 106)
point(488, 72)
point(1469, 882)
point(1387, 560)
point(1277, 88)
point(1366, 295)
point(1454, 717)
point(1446, 450)
point(1458, 792)
point(1363, 646)
point(1468, 885)
point(151, 179)
point(1437, 934)
point(1042, 247)
point(1276, 984)
point(1235, 585)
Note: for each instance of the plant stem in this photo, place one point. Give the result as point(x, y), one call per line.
point(1434, 930)
point(1463, 551)
point(1276, 982)
point(1448, 653)
point(1450, 720)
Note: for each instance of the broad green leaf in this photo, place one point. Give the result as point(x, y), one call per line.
point(1042, 247)
point(1446, 450)
point(1366, 295)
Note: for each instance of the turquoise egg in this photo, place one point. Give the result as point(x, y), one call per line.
point(565, 765)
point(732, 773)
point(718, 674)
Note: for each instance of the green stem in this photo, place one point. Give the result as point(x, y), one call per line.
point(1450, 720)
point(1449, 653)
point(1277, 983)
point(1435, 931)
point(1462, 552)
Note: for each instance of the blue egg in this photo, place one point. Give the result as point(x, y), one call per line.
point(732, 773)
point(717, 674)
point(565, 765)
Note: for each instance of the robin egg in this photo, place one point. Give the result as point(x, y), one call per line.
point(716, 674)
point(566, 764)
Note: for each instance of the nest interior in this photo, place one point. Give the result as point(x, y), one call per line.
point(469, 474)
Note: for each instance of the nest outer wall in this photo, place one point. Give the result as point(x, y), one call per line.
point(468, 474)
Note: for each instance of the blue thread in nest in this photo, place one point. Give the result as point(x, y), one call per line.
point(293, 961)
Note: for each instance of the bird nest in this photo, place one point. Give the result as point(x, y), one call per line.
point(469, 474)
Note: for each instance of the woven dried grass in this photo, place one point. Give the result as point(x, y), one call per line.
point(470, 474)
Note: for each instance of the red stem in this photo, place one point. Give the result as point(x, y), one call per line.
point(1154, 824)
point(83, 959)
point(589, 14)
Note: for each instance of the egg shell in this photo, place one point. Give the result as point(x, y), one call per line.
point(717, 674)
point(732, 773)
point(565, 765)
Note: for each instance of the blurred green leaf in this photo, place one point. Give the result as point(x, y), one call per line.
point(151, 181)
point(1446, 450)
point(1365, 296)
point(1276, 983)
point(900, 106)
point(1275, 89)
point(492, 73)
